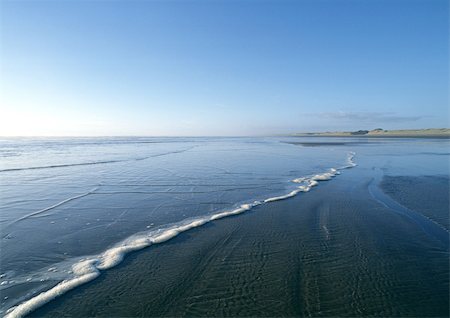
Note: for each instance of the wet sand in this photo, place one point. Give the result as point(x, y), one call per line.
point(322, 144)
point(335, 251)
point(427, 194)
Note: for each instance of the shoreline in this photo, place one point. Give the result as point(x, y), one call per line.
point(90, 268)
point(262, 264)
point(346, 196)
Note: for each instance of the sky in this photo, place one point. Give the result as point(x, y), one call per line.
point(189, 68)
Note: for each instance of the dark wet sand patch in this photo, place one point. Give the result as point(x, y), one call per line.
point(321, 144)
point(330, 252)
point(428, 195)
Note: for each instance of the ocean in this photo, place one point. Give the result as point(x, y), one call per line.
point(221, 226)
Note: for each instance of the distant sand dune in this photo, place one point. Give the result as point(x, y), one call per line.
point(418, 133)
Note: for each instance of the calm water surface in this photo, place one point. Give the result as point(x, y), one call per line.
point(67, 199)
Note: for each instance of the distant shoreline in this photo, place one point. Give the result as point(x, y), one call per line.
point(381, 133)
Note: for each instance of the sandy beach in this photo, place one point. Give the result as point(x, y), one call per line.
point(381, 133)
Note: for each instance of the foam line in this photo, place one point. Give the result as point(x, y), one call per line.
point(350, 162)
point(85, 271)
point(88, 269)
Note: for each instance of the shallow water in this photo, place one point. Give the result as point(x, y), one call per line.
point(66, 199)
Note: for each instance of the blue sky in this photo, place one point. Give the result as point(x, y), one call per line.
point(222, 67)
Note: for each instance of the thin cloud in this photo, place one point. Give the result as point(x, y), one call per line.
point(367, 116)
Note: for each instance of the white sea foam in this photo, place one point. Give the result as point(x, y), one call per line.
point(84, 271)
point(88, 269)
point(282, 197)
point(350, 162)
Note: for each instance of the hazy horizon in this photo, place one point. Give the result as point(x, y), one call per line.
point(203, 68)
point(205, 136)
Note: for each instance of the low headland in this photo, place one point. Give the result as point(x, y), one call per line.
point(379, 132)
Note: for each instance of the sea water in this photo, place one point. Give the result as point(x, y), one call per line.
point(73, 207)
